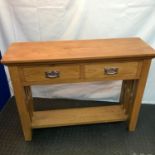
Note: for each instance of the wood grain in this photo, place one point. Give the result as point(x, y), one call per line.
point(138, 94)
point(37, 73)
point(79, 72)
point(74, 116)
point(29, 100)
point(79, 61)
point(126, 97)
point(26, 52)
point(125, 70)
point(21, 103)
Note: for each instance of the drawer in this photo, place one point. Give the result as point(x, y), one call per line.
point(110, 70)
point(51, 73)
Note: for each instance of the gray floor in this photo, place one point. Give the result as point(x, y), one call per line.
point(98, 139)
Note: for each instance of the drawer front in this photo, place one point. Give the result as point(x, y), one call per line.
point(120, 70)
point(53, 73)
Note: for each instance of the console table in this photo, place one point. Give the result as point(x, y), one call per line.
point(53, 62)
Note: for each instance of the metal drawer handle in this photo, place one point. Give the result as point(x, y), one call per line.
point(52, 74)
point(110, 71)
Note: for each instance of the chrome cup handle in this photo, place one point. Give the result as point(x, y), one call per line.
point(52, 74)
point(110, 70)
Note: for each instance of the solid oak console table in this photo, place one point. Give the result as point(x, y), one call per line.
point(36, 63)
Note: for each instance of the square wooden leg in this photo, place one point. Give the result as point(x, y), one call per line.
point(132, 93)
point(138, 94)
point(21, 101)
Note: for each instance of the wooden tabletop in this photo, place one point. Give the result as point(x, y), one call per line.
point(55, 51)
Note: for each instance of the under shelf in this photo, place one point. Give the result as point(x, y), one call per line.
point(76, 116)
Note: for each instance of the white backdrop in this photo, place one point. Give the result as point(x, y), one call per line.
point(41, 20)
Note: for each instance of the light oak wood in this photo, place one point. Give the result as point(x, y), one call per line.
point(75, 116)
point(29, 100)
point(68, 81)
point(126, 70)
point(79, 72)
point(126, 97)
point(140, 86)
point(57, 51)
point(79, 61)
point(37, 73)
point(21, 102)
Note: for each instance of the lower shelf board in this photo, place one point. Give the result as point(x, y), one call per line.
point(76, 116)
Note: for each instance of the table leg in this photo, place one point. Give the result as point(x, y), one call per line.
point(20, 96)
point(138, 94)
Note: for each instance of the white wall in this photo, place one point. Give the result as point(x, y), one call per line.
point(35, 20)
